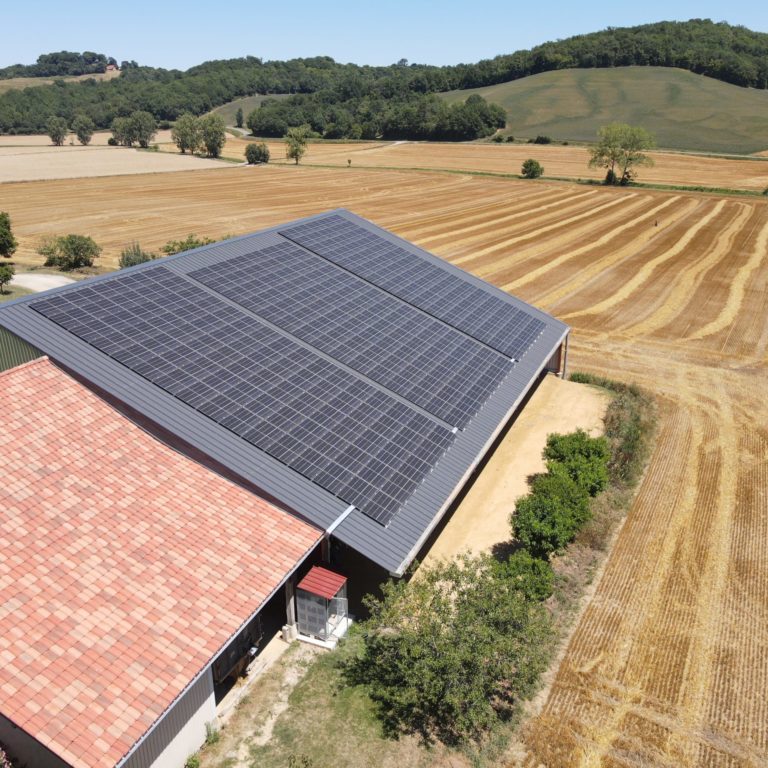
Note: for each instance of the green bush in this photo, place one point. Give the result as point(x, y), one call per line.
point(585, 458)
point(191, 241)
point(132, 255)
point(257, 153)
point(449, 653)
point(549, 517)
point(193, 761)
point(542, 140)
point(69, 252)
point(113, 142)
point(532, 169)
point(510, 138)
point(532, 576)
point(7, 271)
point(498, 138)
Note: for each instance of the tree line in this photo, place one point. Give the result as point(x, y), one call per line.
point(60, 64)
point(731, 53)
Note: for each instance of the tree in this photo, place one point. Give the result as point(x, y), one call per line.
point(143, 127)
point(7, 240)
point(239, 117)
point(212, 134)
point(132, 255)
point(257, 153)
point(532, 169)
point(620, 149)
point(83, 127)
point(296, 142)
point(122, 131)
point(7, 271)
point(69, 252)
point(449, 653)
point(186, 133)
point(56, 128)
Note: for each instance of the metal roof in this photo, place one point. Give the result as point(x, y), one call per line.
point(392, 546)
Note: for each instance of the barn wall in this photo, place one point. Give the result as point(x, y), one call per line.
point(15, 351)
point(181, 732)
point(25, 750)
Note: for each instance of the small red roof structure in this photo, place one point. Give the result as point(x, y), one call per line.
point(124, 567)
point(322, 582)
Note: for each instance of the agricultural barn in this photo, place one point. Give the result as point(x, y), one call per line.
point(191, 437)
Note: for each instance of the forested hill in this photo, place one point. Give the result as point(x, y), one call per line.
point(352, 98)
point(60, 64)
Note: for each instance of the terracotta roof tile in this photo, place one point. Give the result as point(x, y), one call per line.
point(117, 556)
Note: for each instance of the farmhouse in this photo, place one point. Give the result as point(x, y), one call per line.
point(193, 441)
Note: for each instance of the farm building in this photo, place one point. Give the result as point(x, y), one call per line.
point(322, 390)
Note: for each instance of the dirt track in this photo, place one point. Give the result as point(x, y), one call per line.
point(669, 665)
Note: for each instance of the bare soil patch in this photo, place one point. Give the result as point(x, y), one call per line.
point(481, 520)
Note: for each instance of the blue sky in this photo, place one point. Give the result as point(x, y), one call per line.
point(179, 35)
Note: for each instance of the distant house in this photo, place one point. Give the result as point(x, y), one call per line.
point(112, 68)
point(205, 431)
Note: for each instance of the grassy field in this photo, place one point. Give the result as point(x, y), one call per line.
point(17, 83)
point(668, 289)
point(13, 292)
point(247, 104)
point(683, 110)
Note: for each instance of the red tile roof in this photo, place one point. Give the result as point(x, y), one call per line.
point(124, 567)
point(322, 582)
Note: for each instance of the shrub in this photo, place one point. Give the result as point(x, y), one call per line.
point(510, 138)
point(549, 517)
point(532, 576)
point(69, 252)
point(532, 169)
point(498, 138)
point(193, 761)
point(765, 191)
point(132, 255)
point(191, 241)
point(257, 153)
point(583, 457)
point(212, 734)
point(113, 142)
point(448, 654)
point(542, 140)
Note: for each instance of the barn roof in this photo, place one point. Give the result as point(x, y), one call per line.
point(123, 567)
point(341, 370)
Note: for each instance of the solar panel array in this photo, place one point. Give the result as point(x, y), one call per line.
point(420, 358)
point(348, 436)
point(424, 285)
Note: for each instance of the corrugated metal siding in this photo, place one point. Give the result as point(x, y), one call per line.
point(15, 351)
point(389, 547)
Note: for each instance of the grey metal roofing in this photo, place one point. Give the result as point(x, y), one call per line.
point(392, 546)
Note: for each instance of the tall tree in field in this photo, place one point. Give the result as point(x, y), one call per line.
point(7, 240)
point(56, 128)
point(122, 131)
point(239, 117)
point(212, 134)
point(620, 150)
point(144, 127)
point(83, 127)
point(186, 133)
point(296, 142)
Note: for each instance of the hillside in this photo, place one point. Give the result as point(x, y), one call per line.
point(683, 110)
point(229, 110)
point(19, 83)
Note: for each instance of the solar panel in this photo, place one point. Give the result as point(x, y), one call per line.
point(346, 435)
point(436, 291)
point(420, 358)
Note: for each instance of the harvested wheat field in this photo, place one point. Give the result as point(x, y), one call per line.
point(668, 665)
point(40, 160)
point(672, 169)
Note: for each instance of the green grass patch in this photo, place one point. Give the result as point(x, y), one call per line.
point(14, 292)
point(683, 110)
